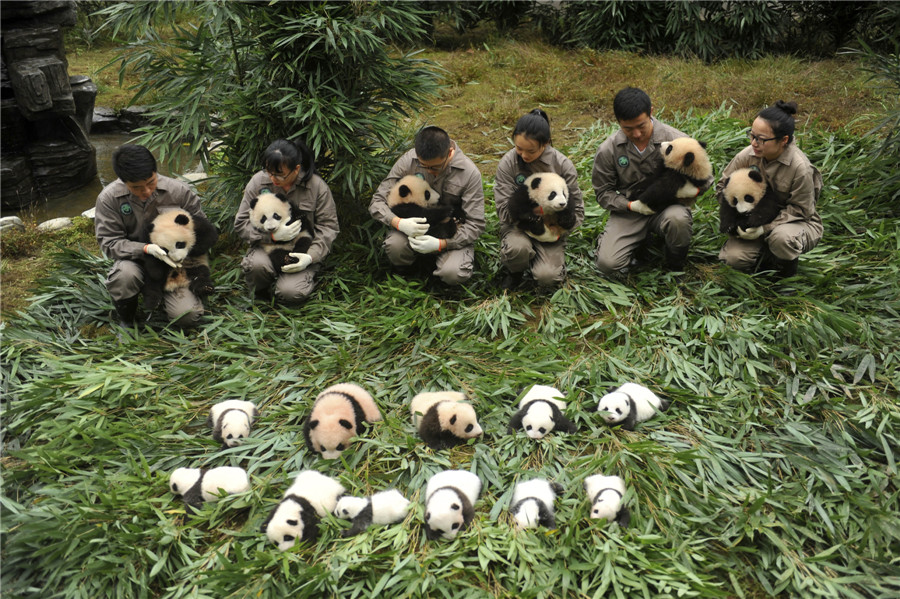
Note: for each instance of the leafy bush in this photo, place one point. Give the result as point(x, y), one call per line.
point(244, 74)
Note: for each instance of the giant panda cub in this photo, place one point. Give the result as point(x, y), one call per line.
point(270, 212)
point(412, 196)
point(339, 413)
point(606, 494)
point(385, 507)
point(630, 404)
point(540, 413)
point(443, 419)
point(196, 485)
point(296, 517)
point(746, 202)
point(186, 239)
point(540, 207)
point(532, 503)
point(450, 498)
point(231, 421)
point(683, 168)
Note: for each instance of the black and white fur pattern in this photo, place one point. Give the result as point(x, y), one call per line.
point(231, 421)
point(541, 412)
point(630, 404)
point(385, 507)
point(450, 498)
point(683, 169)
point(607, 494)
point(340, 412)
point(186, 239)
point(532, 503)
point(269, 212)
point(746, 202)
point(541, 208)
point(196, 485)
point(443, 419)
point(412, 196)
point(297, 515)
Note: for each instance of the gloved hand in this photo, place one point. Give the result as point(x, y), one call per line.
point(426, 244)
point(751, 233)
point(304, 260)
point(287, 232)
point(413, 227)
point(640, 207)
point(157, 252)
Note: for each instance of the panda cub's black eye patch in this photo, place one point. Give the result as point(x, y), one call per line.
point(292, 522)
point(181, 245)
point(288, 537)
point(469, 428)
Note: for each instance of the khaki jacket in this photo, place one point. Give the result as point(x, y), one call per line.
point(313, 198)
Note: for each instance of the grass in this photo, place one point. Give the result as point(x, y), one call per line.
point(773, 473)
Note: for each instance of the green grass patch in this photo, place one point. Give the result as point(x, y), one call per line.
point(773, 473)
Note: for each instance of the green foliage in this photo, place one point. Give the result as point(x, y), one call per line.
point(774, 473)
point(245, 74)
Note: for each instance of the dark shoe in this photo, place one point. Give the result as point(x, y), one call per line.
point(786, 268)
point(675, 260)
point(512, 280)
point(263, 294)
point(126, 311)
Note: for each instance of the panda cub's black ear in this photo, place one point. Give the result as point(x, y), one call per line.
point(725, 182)
point(702, 144)
point(535, 183)
point(183, 220)
point(253, 203)
point(404, 191)
point(755, 175)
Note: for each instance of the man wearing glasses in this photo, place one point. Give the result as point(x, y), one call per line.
point(622, 164)
point(437, 159)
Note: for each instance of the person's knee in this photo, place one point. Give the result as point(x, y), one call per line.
point(125, 280)
point(547, 275)
point(258, 270)
point(783, 244)
point(290, 291)
point(609, 265)
point(396, 247)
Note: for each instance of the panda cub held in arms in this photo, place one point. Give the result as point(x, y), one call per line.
point(443, 419)
point(196, 485)
point(683, 169)
point(412, 196)
point(385, 507)
point(746, 202)
point(630, 404)
point(297, 515)
point(231, 421)
point(450, 498)
point(541, 208)
point(540, 413)
point(532, 503)
point(339, 413)
point(186, 239)
point(606, 494)
point(269, 212)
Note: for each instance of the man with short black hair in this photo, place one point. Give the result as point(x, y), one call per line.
point(624, 161)
point(121, 211)
point(438, 160)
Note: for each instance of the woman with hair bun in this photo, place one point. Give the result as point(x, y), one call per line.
point(797, 185)
point(532, 154)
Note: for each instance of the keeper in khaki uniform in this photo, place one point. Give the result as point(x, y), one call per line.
point(622, 163)
point(437, 159)
point(122, 208)
point(797, 185)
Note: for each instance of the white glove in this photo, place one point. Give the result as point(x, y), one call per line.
point(160, 254)
point(425, 244)
point(287, 232)
point(304, 261)
point(751, 233)
point(640, 207)
point(414, 226)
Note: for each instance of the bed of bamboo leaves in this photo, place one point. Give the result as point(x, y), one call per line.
point(774, 472)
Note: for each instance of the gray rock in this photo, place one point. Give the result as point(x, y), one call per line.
point(10, 223)
point(89, 213)
point(55, 224)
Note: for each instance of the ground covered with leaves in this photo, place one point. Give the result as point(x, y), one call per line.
point(773, 473)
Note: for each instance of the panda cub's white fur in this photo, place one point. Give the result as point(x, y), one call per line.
point(296, 517)
point(630, 404)
point(450, 497)
point(444, 419)
point(382, 508)
point(541, 412)
point(606, 494)
point(231, 421)
point(532, 503)
point(196, 485)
